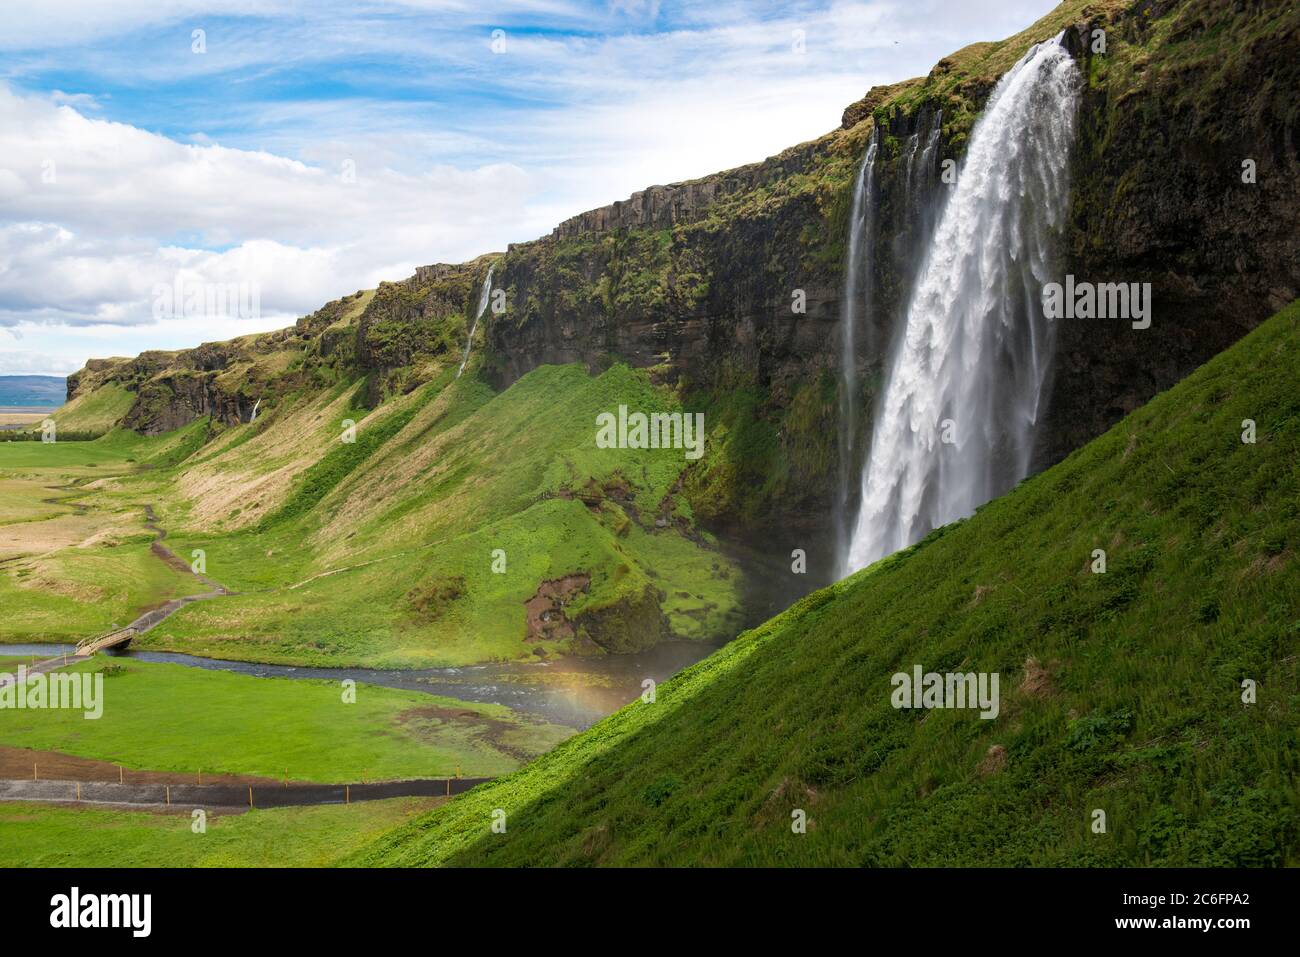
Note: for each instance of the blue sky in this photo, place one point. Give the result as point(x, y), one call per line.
point(308, 149)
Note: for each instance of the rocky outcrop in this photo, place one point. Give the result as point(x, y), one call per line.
point(407, 324)
point(663, 207)
point(173, 400)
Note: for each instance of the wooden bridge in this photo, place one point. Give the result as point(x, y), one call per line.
point(118, 638)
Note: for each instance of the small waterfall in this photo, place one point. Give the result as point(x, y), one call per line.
point(913, 142)
point(855, 306)
point(957, 422)
point(478, 314)
point(914, 216)
point(931, 143)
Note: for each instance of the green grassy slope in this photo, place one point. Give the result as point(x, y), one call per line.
point(1120, 692)
point(382, 551)
point(412, 514)
point(97, 411)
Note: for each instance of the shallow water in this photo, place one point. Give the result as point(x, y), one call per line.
point(575, 692)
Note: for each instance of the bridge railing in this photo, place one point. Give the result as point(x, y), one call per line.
point(107, 639)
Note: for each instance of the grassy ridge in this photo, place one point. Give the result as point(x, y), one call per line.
point(98, 411)
point(1120, 692)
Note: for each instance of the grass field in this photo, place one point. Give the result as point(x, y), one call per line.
point(1121, 692)
point(166, 717)
point(75, 545)
point(36, 835)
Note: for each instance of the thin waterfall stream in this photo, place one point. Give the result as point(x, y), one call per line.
point(484, 295)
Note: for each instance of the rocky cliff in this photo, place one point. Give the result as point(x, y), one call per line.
point(728, 287)
point(699, 280)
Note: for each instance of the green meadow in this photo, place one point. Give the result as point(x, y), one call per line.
point(38, 835)
point(417, 544)
point(164, 717)
point(75, 555)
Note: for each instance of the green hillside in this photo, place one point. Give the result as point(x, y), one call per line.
point(417, 544)
point(1120, 692)
point(95, 412)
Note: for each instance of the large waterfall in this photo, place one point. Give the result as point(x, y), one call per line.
point(966, 380)
point(855, 308)
point(483, 297)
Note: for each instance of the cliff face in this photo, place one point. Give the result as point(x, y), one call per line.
point(729, 287)
point(697, 280)
point(1187, 93)
point(408, 324)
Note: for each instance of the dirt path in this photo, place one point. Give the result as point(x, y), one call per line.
point(20, 764)
point(50, 776)
point(159, 796)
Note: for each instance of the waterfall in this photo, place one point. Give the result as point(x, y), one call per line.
point(483, 297)
point(966, 380)
point(855, 305)
point(926, 166)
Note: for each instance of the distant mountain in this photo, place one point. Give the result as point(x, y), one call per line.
point(43, 391)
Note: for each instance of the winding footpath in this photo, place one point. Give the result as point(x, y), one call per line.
point(150, 619)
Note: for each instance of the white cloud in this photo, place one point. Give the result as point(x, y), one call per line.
point(94, 213)
point(101, 213)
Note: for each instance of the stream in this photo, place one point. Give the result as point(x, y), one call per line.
point(574, 692)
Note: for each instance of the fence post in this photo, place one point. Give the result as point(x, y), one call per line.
point(250, 795)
